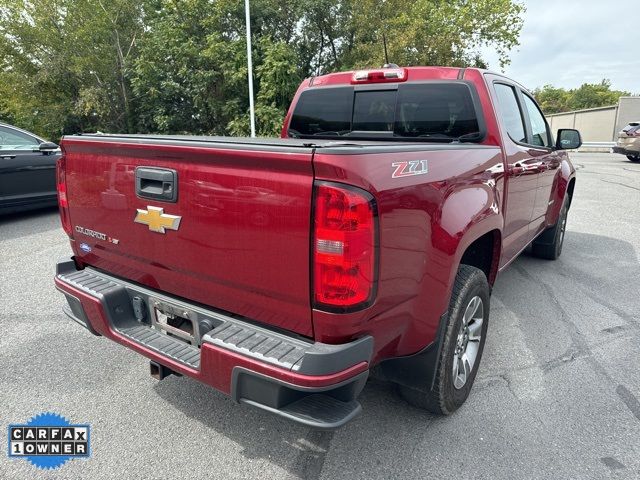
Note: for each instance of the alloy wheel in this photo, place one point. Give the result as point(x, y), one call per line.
point(468, 342)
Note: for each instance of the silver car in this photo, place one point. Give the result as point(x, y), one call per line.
point(629, 142)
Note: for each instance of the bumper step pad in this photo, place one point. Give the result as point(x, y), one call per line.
point(164, 344)
point(255, 342)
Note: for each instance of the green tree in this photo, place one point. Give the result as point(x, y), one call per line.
point(588, 95)
point(65, 64)
point(432, 32)
point(551, 99)
point(595, 95)
point(179, 66)
point(192, 70)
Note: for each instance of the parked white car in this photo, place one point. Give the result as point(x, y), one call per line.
point(629, 142)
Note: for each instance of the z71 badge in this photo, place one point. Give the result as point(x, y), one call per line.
point(411, 167)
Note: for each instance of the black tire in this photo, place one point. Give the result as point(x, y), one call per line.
point(445, 398)
point(549, 244)
point(634, 159)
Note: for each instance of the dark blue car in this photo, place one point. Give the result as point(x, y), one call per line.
point(27, 170)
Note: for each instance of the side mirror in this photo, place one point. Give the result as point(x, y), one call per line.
point(568, 139)
point(48, 147)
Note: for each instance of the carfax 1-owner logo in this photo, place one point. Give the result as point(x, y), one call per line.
point(49, 440)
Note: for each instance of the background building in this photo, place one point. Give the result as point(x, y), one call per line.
point(599, 124)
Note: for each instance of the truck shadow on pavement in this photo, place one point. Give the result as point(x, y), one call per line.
point(388, 427)
point(300, 450)
point(14, 225)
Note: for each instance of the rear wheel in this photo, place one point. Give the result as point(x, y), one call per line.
point(549, 244)
point(462, 347)
point(633, 159)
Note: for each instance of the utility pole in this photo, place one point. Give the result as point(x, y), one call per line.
point(250, 69)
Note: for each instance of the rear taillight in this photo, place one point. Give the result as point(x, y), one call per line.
point(344, 247)
point(63, 201)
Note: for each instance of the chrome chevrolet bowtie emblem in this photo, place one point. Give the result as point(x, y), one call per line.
point(157, 220)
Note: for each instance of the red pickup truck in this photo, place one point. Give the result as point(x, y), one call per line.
point(283, 271)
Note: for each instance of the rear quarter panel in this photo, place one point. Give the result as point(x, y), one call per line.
point(426, 222)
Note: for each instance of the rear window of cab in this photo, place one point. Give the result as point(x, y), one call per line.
point(442, 112)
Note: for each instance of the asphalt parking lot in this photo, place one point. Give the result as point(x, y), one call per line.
point(557, 395)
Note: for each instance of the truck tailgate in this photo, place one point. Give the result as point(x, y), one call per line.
point(236, 237)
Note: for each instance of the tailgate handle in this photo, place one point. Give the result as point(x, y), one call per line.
point(157, 183)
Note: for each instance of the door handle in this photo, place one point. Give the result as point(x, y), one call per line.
point(157, 183)
point(518, 169)
point(7, 157)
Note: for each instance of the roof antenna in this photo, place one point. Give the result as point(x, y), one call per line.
point(386, 54)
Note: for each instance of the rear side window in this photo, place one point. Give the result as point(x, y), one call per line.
point(540, 135)
point(421, 111)
point(510, 112)
point(326, 110)
point(445, 109)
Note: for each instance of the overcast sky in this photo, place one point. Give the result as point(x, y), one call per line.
point(569, 42)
